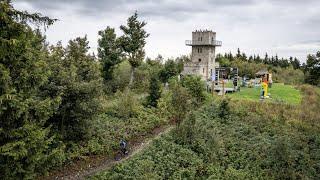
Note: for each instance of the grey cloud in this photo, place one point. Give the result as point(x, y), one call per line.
point(160, 8)
point(177, 10)
point(244, 23)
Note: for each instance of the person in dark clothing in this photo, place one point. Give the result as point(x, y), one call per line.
point(123, 147)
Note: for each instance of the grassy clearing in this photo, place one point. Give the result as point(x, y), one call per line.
point(279, 93)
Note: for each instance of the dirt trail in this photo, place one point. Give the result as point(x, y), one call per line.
point(102, 163)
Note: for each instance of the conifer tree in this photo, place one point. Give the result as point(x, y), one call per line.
point(133, 42)
point(238, 53)
point(109, 52)
point(76, 79)
point(266, 59)
point(24, 109)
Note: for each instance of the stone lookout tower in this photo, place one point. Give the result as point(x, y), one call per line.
point(202, 62)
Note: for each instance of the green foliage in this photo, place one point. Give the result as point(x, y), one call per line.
point(223, 62)
point(76, 79)
point(133, 42)
point(263, 141)
point(109, 52)
point(247, 68)
point(154, 91)
point(224, 109)
point(313, 69)
point(163, 160)
point(26, 145)
point(120, 79)
point(195, 87)
point(142, 78)
point(180, 103)
point(33, 151)
point(128, 105)
point(125, 118)
point(171, 69)
point(288, 75)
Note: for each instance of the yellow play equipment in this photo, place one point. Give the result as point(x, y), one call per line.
point(266, 82)
point(265, 88)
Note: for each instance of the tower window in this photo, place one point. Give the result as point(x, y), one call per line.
point(199, 50)
point(199, 60)
point(200, 38)
point(203, 70)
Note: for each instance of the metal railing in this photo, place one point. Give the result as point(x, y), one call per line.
point(205, 43)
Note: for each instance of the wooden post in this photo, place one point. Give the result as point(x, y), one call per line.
point(222, 87)
point(212, 88)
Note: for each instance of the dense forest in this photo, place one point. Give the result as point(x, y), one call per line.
point(60, 104)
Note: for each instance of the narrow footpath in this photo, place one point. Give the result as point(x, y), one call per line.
point(94, 164)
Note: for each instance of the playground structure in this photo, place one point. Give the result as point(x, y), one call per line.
point(225, 80)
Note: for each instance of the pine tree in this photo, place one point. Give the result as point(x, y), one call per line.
point(295, 63)
point(313, 69)
point(238, 53)
point(109, 52)
point(76, 79)
point(258, 59)
point(243, 57)
point(24, 110)
point(266, 59)
point(250, 58)
point(133, 42)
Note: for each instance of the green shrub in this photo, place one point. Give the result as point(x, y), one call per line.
point(33, 152)
point(195, 87)
point(180, 103)
point(127, 106)
point(224, 110)
point(120, 80)
point(163, 160)
point(288, 75)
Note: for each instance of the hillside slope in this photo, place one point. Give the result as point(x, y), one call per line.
point(235, 140)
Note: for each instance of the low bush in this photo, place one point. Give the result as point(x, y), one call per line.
point(195, 87)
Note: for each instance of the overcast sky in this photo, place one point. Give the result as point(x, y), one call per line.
point(283, 27)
